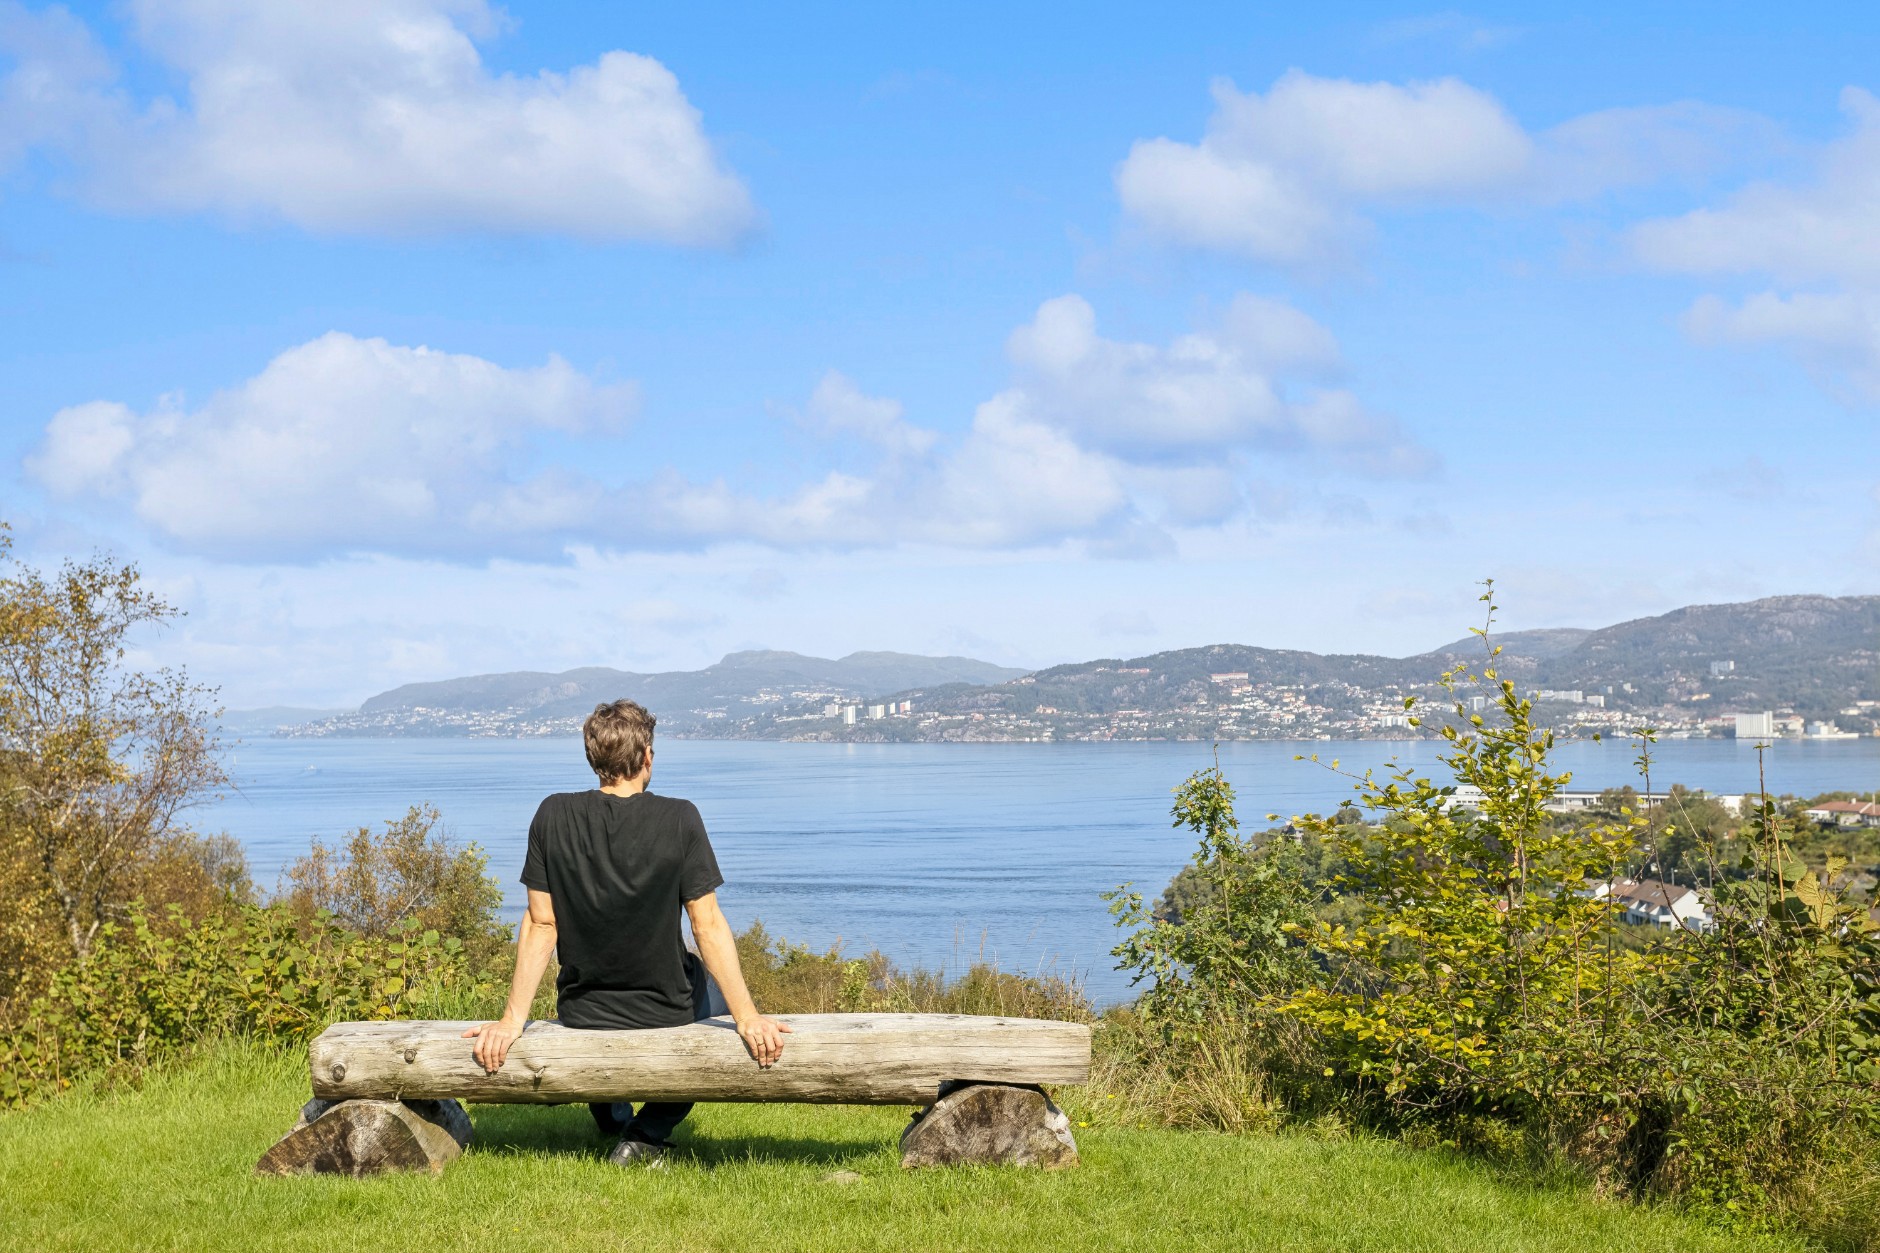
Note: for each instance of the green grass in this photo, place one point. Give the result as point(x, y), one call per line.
point(169, 1167)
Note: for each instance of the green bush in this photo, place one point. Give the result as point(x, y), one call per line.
point(408, 872)
point(786, 978)
point(1215, 952)
point(1470, 984)
point(156, 984)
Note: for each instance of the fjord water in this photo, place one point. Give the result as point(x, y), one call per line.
point(932, 853)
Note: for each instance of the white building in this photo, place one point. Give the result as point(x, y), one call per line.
point(1655, 903)
point(849, 713)
point(877, 712)
point(1566, 800)
point(1760, 726)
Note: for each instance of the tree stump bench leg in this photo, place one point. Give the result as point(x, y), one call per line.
point(362, 1137)
point(988, 1124)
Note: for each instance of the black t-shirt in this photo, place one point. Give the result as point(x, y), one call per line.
point(619, 868)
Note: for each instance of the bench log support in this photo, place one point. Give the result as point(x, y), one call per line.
point(369, 1138)
point(977, 1124)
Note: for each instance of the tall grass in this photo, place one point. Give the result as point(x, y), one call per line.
point(788, 978)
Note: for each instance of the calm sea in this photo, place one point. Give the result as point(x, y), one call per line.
point(932, 853)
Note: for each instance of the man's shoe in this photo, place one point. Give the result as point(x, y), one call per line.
point(641, 1153)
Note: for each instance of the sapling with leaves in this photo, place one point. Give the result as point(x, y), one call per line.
point(1234, 945)
point(1478, 930)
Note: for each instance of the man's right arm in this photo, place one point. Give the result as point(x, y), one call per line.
point(534, 947)
point(762, 1036)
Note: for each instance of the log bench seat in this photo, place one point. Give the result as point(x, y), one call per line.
point(387, 1094)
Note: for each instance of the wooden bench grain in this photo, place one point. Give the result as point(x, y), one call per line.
point(386, 1094)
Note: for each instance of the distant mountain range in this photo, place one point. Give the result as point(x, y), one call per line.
point(274, 718)
point(536, 702)
point(1809, 653)
point(1816, 655)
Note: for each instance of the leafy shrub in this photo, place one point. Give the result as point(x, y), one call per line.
point(200, 874)
point(1472, 985)
point(409, 872)
point(156, 983)
point(1233, 945)
point(786, 978)
point(1215, 951)
point(1479, 946)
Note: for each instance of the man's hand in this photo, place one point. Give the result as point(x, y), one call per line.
point(764, 1038)
point(493, 1041)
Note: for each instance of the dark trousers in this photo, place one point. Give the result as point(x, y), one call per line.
point(656, 1120)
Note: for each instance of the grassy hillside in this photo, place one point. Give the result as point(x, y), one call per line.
point(169, 1167)
point(1815, 653)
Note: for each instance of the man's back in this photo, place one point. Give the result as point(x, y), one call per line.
point(608, 872)
point(619, 869)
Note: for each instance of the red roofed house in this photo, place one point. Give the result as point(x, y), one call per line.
point(1845, 813)
point(1652, 902)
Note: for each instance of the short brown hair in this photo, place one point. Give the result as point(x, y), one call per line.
point(618, 737)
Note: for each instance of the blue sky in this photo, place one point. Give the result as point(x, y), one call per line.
point(406, 339)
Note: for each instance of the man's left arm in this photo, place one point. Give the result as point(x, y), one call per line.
point(762, 1036)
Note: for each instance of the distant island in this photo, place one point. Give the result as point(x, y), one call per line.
point(1802, 666)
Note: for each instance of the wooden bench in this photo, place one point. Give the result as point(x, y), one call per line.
point(386, 1094)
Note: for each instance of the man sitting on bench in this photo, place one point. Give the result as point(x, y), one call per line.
point(607, 871)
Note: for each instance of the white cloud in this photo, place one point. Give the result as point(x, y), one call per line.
point(1819, 232)
point(1204, 395)
point(1834, 333)
point(1684, 141)
point(1276, 337)
point(1284, 176)
point(344, 444)
point(57, 88)
point(1017, 480)
point(87, 448)
point(839, 407)
point(372, 117)
point(1100, 440)
point(1274, 174)
point(1447, 27)
point(666, 616)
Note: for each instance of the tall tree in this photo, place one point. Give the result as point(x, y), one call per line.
point(100, 756)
